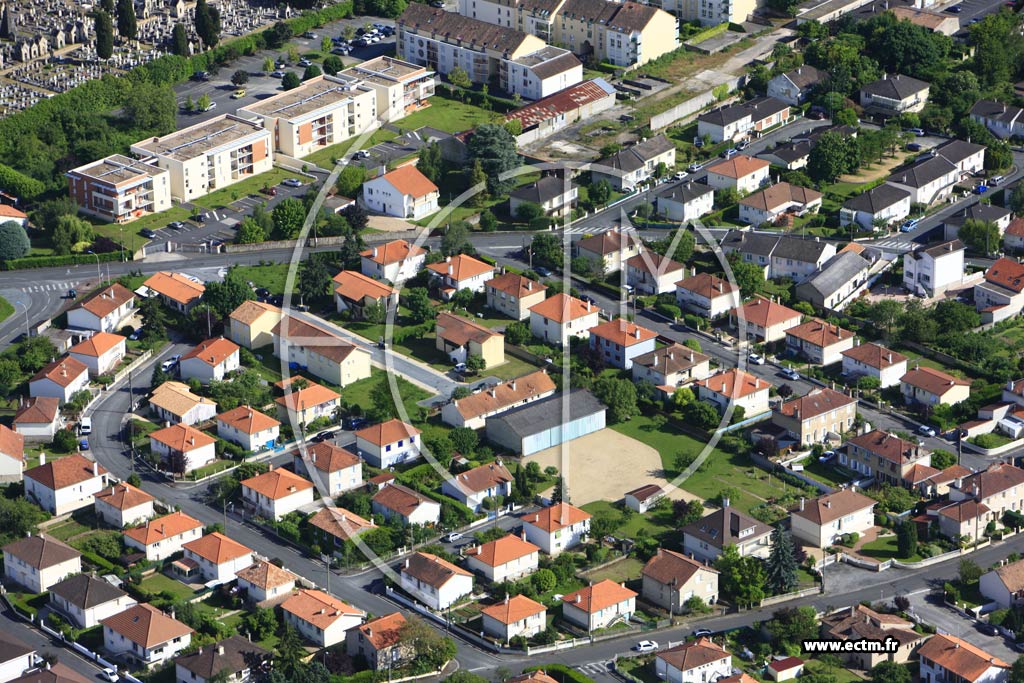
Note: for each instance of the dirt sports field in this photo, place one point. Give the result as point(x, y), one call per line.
point(604, 465)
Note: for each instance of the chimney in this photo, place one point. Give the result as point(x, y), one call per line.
point(375, 252)
point(407, 563)
point(506, 598)
point(725, 501)
point(672, 355)
point(588, 306)
point(577, 598)
point(529, 285)
point(828, 503)
point(95, 469)
point(512, 385)
point(493, 393)
point(312, 457)
point(369, 632)
point(220, 649)
point(803, 501)
point(42, 458)
point(856, 341)
point(636, 333)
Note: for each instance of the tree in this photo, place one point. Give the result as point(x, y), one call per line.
point(495, 148)
point(104, 35)
point(782, 564)
point(1017, 200)
point(942, 459)
point(890, 672)
point(14, 242)
point(151, 106)
point(224, 297)
point(884, 314)
point(289, 216)
point(207, 23)
point(179, 40)
point(64, 441)
point(333, 64)
point(558, 493)
point(204, 102)
point(833, 155)
point(527, 211)
point(741, 579)
point(71, 232)
point(459, 78)
point(383, 402)
point(517, 333)
point(431, 648)
point(417, 301)
point(314, 280)
point(240, 77)
point(683, 396)
point(488, 221)
point(906, 540)
point(599, 192)
point(1016, 671)
point(790, 627)
point(544, 580)
point(290, 81)
point(619, 395)
point(478, 179)
point(981, 236)
point(260, 622)
point(127, 24)
point(464, 440)
point(312, 71)
point(456, 239)
point(953, 316)
point(290, 650)
point(350, 181)
point(430, 163)
point(547, 250)
point(250, 232)
point(969, 571)
point(748, 276)
point(701, 415)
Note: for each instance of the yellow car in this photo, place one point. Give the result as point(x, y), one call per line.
point(238, 94)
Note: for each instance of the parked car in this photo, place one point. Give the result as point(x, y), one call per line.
point(694, 167)
point(271, 191)
point(908, 225)
point(980, 189)
point(304, 62)
point(916, 131)
point(72, 294)
point(146, 232)
point(955, 9)
point(926, 430)
point(729, 153)
point(137, 334)
point(109, 675)
point(987, 629)
point(277, 74)
point(85, 426)
point(238, 94)
point(645, 646)
point(702, 632)
point(309, 35)
point(262, 292)
point(913, 147)
point(211, 106)
point(170, 363)
point(680, 175)
point(452, 537)
point(200, 76)
point(742, 145)
point(322, 436)
point(354, 423)
point(755, 359)
point(361, 154)
point(826, 456)
point(291, 182)
point(460, 367)
point(83, 444)
point(542, 271)
point(175, 225)
point(791, 374)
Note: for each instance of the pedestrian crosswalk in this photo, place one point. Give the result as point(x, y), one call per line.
point(62, 287)
point(895, 243)
point(593, 668)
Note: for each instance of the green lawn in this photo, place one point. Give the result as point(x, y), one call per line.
point(29, 603)
point(654, 523)
point(213, 468)
point(231, 193)
point(448, 115)
point(358, 393)
point(826, 473)
point(640, 668)
point(620, 572)
point(511, 368)
point(6, 309)
point(159, 583)
point(883, 549)
point(272, 276)
point(839, 673)
point(67, 529)
point(328, 156)
point(130, 232)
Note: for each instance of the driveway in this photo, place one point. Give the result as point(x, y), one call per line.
point(928, 606)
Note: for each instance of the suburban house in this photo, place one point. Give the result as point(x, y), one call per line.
point(930, 271)
point(124, 505)
point(779, 257)
point(741, 173)
point(706, 538)
point(183, 448)
point(461, 339)
point(556, 528)
point(978, 212)
point(100, 353)
point(643, 498)
point(1002, 120)
point(320, 351)
point(725, 123)
point(686, 202)
point(707, 295)
point(104, 311)
point(697, 661)
point(819, 342)
point(823, 414)
point(542, 424)
point(355, 292)
point(10, 214)
point(320, 618)
point(634, 165)
point(505, 559)
point(37, 419)
point(472, 411)
point(763, 320)
point(12, 455)
point(947, 658)
point(174, 402)
point(555, 195)
point(437, 583)
point(210, 360)
point(145, 635)
point(882, 205)
point(217, 557)
point(560, 317)
point(342, 469)
point(933, 387)
point(969, 157)
point(651, 273)
point(863, 623)
point(514, 616)
point(303, 405)
point(599, 605)
point(164, 536)
point(1001, 295)
point(17, 658)
point(395, 500)
point(873, 360)
point(794, 87)
point(460, 272)
point(66, 484)
point(766, 113)
point(86, 600)
point(275, 493)
point(264, 582)
point(60, 379)
point(965, 519)
point(735, 387)
point(671, 578)
point(769, 204)
point(475, 485)
point(1000, 488)
point(335, 526)
point(618, 341)
point(175, 290)
point(670, 367)
point(393, 262)
point(836, 283)
point(792, 155)
point(933, 21)
point(823, 521)
point(236, 655)
point(608, 250)
point(404, 192)
point(894, 95)
point(39, 562)
point(1013, 238)
point(250, 429)
point(513, 295)
point(883, 456)
point(389, 443)
point(379, 642)
point(1004, 585)
point(250, 324)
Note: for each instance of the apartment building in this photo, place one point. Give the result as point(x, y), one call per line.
point(932, 270)
point(210, 155)
point(401, 88)
point(120, 189)
point(321, 112)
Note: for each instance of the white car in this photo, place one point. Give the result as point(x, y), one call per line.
point(292, 182)
point(452, 537)
point(925, 430)
point(170, 363)
point(790, 373)
point(755, 359)
point(85, 426)
point(110, 675)
point(646, 646)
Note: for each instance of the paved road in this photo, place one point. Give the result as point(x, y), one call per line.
point(45, 646)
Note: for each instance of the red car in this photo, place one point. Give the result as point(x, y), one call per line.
point(272, 191)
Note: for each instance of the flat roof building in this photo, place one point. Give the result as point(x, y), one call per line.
point(400, 87)
point(120, 189)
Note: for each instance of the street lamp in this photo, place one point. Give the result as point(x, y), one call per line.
point(19, 303)
point(99, 275)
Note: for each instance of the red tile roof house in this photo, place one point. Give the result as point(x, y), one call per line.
point(821, 415)
point(275, 493)
point(236, 656)
point(512, 294)
point(61, 379)
point(473, 486)
point(66, 484)
point(947, 658)
point(818, 342)
point(164, 536)
point(100, 353)
point(389, 443)
point(12, 455)
point(38, 562)
point(219, 557)
point(619, 341)
point(652, 273)
point(514, 616)
point(707, 295)
point(124, 505)
point(302, 406)
point(460, 272)
point(342, 469)
point(557, 528)
point(379, 642)
point(873, 360)
point(599, 605)
point(735, 387)
point(176, 290)
point(104, 311)
point(335, 526)
point(671, 578)
point(933, 387)
point(392, 262)
point(250, 429)
point(560, 317)
point(694, 662)
point(1001, 295)
point(1000, 487)
point(38, 419)
point(785, 669)
point(210, 360)
point(413, 508)
point(764, 319)
point(183, 448)
point(505, 559)
point(404, 192)
point(824, 520)
point(671, 367)
point(355, 292)
point(473, 410)
point(608, 250)
point(643, 498)
point(263, 581)
point(435, 582)
point(145, 635)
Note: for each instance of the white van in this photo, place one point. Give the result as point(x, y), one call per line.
point(85, 426)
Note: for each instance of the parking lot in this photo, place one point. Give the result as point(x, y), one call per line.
point(929, 607)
